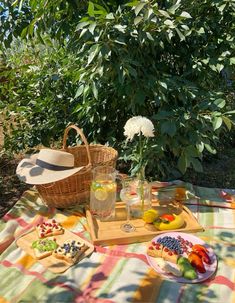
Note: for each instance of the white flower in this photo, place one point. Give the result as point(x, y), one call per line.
point(138, 124)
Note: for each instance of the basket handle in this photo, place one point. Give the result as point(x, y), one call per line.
point(80, 132)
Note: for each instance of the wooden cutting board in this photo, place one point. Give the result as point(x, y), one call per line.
point(53, 264)
point(109, 232)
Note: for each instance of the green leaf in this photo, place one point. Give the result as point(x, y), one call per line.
point(94, 90)
point(230, 112)
point(120, 28)
point(222, 7)
point(148, 13)
point(210, 149)
point(110, 16)
point(132, 71)
point(201, 30)
point(93, 52)
point(191, 151)
point(84, 30)
point(79, 91)
point(91, 11)
point(169, 128)
point(185, 15)
point(24, 32)
point(227, 122)
point(169, 23)
point(20, 4)
point(182, 37)
point(82, 25)
point(196, 165)
point(163, 84)
point(174, 7)
point(217, 122)
point(232, 60)
point(220, 103)
point(139, 7)
point(182, 163)
point(200, 147)
point(92, 27)
point(149, 36)
point(164, 13)
point(138, 19)
point(31, 28)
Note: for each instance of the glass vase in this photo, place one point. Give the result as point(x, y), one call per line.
point(141, 200)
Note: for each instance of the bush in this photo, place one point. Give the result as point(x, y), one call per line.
point(163, 60)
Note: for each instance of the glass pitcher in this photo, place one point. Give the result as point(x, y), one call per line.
point(103, 193)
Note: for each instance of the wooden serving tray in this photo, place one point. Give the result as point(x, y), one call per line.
point(109, 232)
point(53, 264)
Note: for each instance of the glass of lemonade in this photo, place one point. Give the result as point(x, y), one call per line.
point(103, 193)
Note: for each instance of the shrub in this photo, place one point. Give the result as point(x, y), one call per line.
point(159, 59)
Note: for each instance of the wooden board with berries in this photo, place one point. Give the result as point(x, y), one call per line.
point(54, 247)
point(181, 257)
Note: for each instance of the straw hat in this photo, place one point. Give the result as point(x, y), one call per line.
point(47, 166)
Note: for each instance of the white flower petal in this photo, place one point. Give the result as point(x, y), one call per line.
point(138, 124)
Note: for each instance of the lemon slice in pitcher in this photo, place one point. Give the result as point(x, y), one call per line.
point(101, 194)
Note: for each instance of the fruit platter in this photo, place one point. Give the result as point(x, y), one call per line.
point(181, 257)
point(54, 247)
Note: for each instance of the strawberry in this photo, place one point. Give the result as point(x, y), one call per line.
point(196, 262)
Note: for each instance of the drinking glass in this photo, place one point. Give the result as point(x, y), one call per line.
point(129, 196)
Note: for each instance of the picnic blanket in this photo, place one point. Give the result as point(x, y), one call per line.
point(118, 273)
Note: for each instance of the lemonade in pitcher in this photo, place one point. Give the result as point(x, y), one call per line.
point(103, 193)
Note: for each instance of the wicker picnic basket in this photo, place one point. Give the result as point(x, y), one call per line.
point(76, 188)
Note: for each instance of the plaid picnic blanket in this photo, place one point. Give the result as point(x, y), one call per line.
point(118, 273)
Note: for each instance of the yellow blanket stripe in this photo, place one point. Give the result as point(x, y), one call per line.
point(149, 288)
point(26, 261)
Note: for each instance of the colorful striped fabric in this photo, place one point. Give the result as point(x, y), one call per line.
point(117, 273)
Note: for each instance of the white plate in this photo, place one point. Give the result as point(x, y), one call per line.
point(210, 269)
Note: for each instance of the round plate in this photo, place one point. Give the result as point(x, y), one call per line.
point(210, 269)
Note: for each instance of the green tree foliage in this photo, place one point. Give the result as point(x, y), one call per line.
point(107, 62)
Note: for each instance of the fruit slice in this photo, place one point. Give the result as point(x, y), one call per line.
point(199, 247)
point(196, 262)
point(101, 194)
point(202, 254)
point(186, 268)
point(150, 215)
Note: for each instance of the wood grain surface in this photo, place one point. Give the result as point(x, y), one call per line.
point(109, 232)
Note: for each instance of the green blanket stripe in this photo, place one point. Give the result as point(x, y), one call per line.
point(8, 290)
point(9, 250)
